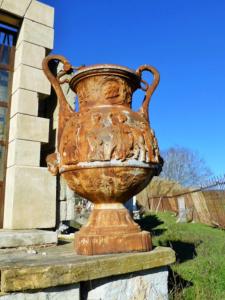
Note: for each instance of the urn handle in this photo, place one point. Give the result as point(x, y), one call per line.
point(65, 111)
point(149, 89)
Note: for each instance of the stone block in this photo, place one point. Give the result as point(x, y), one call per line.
point(29, 54)
point(21, 238)
point(61, 266)
point(23, 153)
point(150, 284)
point(56, 293)
point(41, 13)
point(30, 198)
point(24, 102)
point(29, 78)
point(16, 7)
point(63, 210)
point(36, 33)
point(29, 128)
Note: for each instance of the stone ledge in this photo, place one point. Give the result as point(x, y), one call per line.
point(21, 238)
point(67, 268)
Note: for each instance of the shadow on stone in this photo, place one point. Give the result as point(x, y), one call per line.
point(149, 222)
point(184, 251)
point(176, 285)
point(63, 242)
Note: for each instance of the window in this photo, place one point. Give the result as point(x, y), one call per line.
point(7, 43)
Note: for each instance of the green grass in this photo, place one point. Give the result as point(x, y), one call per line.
point(199, 272)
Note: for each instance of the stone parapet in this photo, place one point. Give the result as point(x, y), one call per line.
point(63, 267)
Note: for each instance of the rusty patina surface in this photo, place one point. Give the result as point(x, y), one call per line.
point(106, 152)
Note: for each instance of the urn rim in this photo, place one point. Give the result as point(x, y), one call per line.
point(106, 69)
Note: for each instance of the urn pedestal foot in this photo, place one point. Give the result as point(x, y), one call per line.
point(110, 229)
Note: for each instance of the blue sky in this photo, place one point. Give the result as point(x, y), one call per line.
point(184, 40)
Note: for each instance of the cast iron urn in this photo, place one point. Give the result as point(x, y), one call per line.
point(106, 152)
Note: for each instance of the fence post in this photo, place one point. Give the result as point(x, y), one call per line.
point(182, 211)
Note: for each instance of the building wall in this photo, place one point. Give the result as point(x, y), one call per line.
point(30, 193)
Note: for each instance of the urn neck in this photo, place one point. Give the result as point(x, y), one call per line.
point(104, 85)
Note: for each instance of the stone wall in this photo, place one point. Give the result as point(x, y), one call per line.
point(61, 274)
point(30, 196)
point(151, 284)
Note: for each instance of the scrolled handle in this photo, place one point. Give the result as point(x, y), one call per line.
point(66, 110)
point(149, 89)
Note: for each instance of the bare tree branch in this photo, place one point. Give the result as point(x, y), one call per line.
point(184, 166)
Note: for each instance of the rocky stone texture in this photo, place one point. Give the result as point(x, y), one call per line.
point(21, 272)
point(71, 292)
point(150, 284)
point(21, 238)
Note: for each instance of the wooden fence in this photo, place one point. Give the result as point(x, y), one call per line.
point(202, 205)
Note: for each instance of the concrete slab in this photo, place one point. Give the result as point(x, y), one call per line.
point(21, 238)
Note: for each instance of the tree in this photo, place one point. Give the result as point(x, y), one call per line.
point(184, 166)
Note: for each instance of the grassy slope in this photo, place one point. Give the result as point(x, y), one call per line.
point(200, 269)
